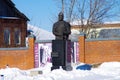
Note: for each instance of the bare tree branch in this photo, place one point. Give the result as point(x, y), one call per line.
point(93, 12)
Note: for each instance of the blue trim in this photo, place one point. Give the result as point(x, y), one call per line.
point(102, 39)
point(20, 48)
point(4, 17)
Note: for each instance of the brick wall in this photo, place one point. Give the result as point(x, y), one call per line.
point(99, 50)
point(22, 58)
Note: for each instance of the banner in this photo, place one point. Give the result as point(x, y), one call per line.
point(43, 51)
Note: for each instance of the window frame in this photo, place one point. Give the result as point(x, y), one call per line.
point(17, 36)
point(7, 37)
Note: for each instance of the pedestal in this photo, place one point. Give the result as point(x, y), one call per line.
point(61, 54)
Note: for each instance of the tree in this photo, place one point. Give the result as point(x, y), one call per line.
point(90, 13)
point(94, 12)
point(67, 7)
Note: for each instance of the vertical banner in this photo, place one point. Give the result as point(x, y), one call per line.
point(36, 54)
point(72, 52)
point(77, 52)
point(68, 45)
point(44, 51)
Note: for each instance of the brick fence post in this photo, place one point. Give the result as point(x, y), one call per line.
point(31, 42)
point(81, 42)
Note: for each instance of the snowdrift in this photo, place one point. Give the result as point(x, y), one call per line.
point(106, 71)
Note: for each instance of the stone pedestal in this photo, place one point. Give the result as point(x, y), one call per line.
point(61, 54)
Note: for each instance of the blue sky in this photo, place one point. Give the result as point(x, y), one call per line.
point(40, 12)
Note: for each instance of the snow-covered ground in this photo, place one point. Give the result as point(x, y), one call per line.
point(106, 71)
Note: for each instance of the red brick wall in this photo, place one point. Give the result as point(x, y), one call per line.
point(21, 58)
point(97, 51)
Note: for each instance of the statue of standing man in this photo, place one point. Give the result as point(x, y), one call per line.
point(61, 46)
point(61, 29)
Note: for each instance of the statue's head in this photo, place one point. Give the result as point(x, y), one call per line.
point(61, 16)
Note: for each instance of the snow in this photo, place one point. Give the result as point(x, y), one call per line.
point(41, 34)
point(106, 71)
point(112, 22)
point(78, 22)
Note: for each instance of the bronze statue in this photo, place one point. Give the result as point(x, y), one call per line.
point(61, 29)
point(61, 46)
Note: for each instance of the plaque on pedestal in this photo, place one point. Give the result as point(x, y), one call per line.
point(58, 49)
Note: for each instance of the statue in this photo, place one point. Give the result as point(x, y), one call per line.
point(61, 46)
point(61, 29)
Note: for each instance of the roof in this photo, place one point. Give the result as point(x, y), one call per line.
point(15, 10)
point(110, 25)
point(41, 34)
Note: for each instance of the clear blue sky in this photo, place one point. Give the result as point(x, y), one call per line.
point(40, 12)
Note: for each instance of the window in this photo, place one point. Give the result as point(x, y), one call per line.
point(7, 36)
point(17, 36)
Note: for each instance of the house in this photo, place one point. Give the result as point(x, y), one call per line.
point(106, 30)
point(13, 25)
point(13, 33)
